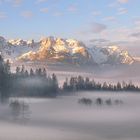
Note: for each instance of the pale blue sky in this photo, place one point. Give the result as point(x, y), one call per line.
point(117, 20)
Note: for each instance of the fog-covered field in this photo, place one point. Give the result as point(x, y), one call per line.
point(64, 118)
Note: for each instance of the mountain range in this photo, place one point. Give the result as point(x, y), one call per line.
point(51, 49)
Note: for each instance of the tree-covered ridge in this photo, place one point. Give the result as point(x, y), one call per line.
point(26, 83)
point(38, 83)
point(34, 83)
point(4, 78)
point(80, 83)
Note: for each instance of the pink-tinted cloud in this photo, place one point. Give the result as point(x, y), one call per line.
point(123, 1)
point(27, 14)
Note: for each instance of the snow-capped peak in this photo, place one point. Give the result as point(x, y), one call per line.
point(59, 49)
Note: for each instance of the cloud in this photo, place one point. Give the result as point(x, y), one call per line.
point(58, 14)
point(40, 1)
point(27, 14)
point(99, 41)
point(122, 11)
point(109, 18)
point(14, 3)
point(123, 1)
point(98, 27)
point(2, 15)
point(96, 13)
point(87, 32)
point(137, 21)
point(117, 3)
point(44, 10)
point(43, 1)
point(72, 8)
point(136, 35)
point(114, 4)
point(17, 2)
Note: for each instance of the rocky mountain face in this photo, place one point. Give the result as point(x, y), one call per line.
point(51, 49)
point(62, 50)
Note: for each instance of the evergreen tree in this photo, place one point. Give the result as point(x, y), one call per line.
point(31, 72)
point(54, 82)
point(124, 85)
point(22, 70)
point(87, 82)
point(4, 78)
point(17, 70)
point(39, 72)
point(65, 85)
point(72, 83)
point(119, 87)
point(26, 73)
point(1, 73)
point(7, 67)
point(80, 82)
point(44, 72)
point(36, 72)
point(105, 86)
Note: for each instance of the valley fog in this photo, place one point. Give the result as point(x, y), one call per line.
point(63, 118)
point(117, 117)
point(108, 73)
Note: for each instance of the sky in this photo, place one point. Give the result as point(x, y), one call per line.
point(93, 21)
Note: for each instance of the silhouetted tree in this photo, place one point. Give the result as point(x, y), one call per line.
point(87, 83)
point(22, 70)
point(7, 67)
point(119, 87)
point(31, 72)
point(124, 85)
point(54, 83)
point(65, 85)
point(26, 73)
point(4, 78)
point(72, 83)
point(99, 101)
point(17, 70)
point(105, 86)
point(80, 83)
point(108, 102)
point(44, 72)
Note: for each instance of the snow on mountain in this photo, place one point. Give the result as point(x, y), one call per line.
point(57, 49)
point(20, 42)
point(12, 49)
point(62, 50)
point(110, 55)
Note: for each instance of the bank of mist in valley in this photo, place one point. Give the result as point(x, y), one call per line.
point(31, 106)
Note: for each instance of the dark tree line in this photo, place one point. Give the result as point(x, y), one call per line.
point(38, 83)
point(4, 78)
point(79, 83)
point(34, 82)
point(26, 83)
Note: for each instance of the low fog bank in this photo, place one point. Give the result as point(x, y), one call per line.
point(64, 118)
point(101, 73)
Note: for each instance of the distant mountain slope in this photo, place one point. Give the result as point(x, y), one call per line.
point(62, 50)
